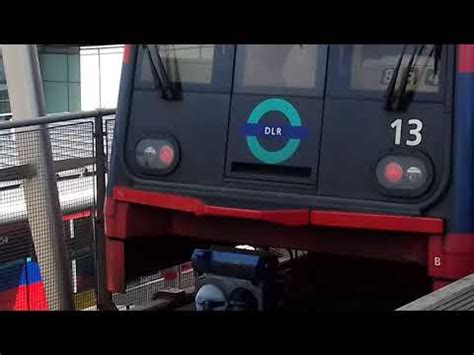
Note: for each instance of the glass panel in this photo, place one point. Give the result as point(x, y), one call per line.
point(185, 63)
point(373, 67)
point(56, 95)
point(74, 69)
point(279, 66)
point(110, 71)
point(74, 97)
point(90, 79)
point(54, 67)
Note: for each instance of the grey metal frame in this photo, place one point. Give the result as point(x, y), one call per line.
point(57, 118)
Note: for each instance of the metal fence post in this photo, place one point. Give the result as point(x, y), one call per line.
point(27, 101)
point(104, 298)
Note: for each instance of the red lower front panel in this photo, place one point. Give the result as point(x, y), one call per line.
point(451, 257)
point(123, 197)
point(125, 221)
point(133, 213)
point(115, 264)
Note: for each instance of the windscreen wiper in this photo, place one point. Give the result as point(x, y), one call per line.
point(160, 75)
point(402, 99)
point(399, 100)
point(437, 48)
point(389, 95)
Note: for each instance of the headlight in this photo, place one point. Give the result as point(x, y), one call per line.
point(404, 175)
point(158, 155)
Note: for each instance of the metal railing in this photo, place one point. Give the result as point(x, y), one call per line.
point(81, 145)
point(80, 159)
point(5, 117)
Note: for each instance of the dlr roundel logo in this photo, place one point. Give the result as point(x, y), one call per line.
point(293, 132)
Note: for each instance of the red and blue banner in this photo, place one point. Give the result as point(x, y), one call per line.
point(21, 287)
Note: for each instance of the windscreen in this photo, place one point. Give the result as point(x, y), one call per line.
point(373, 67)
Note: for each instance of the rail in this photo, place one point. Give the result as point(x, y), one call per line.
point(57, 118)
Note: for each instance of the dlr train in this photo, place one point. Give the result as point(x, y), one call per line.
point(349, 150)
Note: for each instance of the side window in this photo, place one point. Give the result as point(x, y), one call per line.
point(196, 66)
point(280, 69)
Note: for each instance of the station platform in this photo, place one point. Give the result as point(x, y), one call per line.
point(458, 296)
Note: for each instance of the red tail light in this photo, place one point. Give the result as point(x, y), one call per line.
point(393, 172)
point(166, 155)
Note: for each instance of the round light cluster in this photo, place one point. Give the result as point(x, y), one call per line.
point(157, 155)
point(403, 173)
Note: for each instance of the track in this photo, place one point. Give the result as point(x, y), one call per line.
point(317, 282)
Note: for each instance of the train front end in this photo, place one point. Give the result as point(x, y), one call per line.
point(360, 150)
